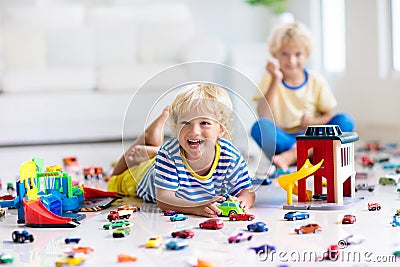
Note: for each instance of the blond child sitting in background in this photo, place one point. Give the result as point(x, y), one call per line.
point(193, 170)
point(297, 97)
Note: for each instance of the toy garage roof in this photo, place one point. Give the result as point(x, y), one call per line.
point(328, 132)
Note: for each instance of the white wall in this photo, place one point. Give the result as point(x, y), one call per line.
point(371, 99)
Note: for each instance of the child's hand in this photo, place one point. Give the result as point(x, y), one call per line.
point(306, 121)
point(273, 68)
point(211, 209)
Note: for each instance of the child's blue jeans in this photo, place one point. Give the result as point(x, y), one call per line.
point(264, 130)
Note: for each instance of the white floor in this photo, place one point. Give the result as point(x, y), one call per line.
point(381, 239)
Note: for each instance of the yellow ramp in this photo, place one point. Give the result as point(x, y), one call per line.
point(288, 181)
point(27, 172)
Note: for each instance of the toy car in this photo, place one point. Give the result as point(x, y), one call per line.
point(240, 237)
point(154, 242)
point(230, 207)
point(72, 240)
point(320, 197)
point(296, 215)
point(121, 232)
point(349, 219)
point(129, 207)
point(123, 258)
point(79, 249)
point(396, 221)
point(257, 227)
point(374, 206)
point(6, 258)
point(264, 248)
point(367, 161)
point(212, 224)
point(70, 260)
point(241, 217)
point(93, 172)
point(389, 179)
point(308, 229)
point(370, 188)
point(332, 253)
point(353, 239)
point(176, 245)
point(178, 217)
point(183, 234)
point(116, 224)
point(21, 236)
point(170, 212)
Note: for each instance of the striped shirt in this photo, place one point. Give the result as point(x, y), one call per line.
point(229, 174)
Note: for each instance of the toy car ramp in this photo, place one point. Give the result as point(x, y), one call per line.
point(288, 181)
point(37, 215)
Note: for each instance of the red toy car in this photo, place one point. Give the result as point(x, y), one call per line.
point(241, 217)
point(367, 161)
point(212, 224)
point(374, 206)
point(183, 234)
point(348, 219)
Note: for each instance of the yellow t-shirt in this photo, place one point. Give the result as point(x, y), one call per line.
point(289, 105)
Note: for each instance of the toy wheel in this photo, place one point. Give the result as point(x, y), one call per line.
point(370, 190)
point(234, 219)
point(250, 237)
point(21, 239)
point(250, 218)
point(31, 239)
point(294, 218)
point(100, 176)
point(306, 217)
point(300, 232)
point(316, 231)
point(14, 237)
point(357, 189)
point(201, 226)
point(174, 235)
point(378, 208)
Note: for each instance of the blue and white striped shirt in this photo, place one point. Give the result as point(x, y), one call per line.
point(171, 172)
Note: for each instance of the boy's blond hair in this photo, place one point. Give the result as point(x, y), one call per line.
point(204, 97)
point(295, 31)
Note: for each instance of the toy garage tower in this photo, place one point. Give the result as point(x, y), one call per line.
point(327, 142)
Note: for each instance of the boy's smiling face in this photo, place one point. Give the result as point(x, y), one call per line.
point(197, 133)
point(292, 57)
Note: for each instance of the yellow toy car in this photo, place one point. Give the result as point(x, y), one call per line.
point(70, 261)
point(154, 242)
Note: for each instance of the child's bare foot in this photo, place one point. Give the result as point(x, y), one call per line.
point(154, 134)
point(285, 159)
point(139, 154)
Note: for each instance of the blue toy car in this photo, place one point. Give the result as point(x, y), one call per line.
point(296, 215)
point(264, 248)
point(178, 217)
point(72, 240)
point(21, 236)
point(257, 227)
point(176, 245)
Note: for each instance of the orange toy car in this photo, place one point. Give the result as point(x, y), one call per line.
point(124, 257)
point(308, 229)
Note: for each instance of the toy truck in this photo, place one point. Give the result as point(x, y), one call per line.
point(21, 236)
point(119, 215)
point(374, 206)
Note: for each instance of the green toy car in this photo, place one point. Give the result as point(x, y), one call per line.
point(230, 207)
point(6, 258)
point(116, 224)
point(387, 181)
point(121, 232)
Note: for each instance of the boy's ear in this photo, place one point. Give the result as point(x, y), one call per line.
point(221, 131)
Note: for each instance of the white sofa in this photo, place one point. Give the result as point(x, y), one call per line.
point(78, 66)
